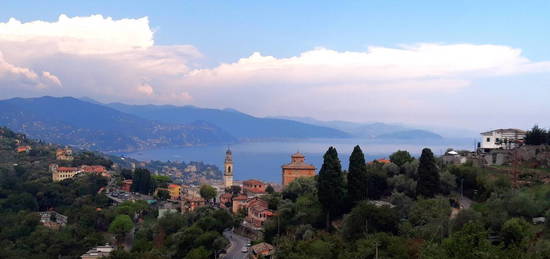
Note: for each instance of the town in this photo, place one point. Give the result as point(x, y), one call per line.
point(257, 217)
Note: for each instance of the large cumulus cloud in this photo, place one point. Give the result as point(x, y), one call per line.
point(96, 56)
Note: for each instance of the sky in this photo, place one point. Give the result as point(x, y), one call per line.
point(463, 64)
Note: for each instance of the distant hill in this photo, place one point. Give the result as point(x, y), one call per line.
point(410, 134)
point(84, 124)
point(238, 124)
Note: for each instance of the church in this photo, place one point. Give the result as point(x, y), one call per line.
point(297, 168)
point(228, 169)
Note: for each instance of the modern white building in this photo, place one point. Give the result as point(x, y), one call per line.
point(501, 139)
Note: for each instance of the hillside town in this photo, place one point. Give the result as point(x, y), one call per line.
point(257, 209)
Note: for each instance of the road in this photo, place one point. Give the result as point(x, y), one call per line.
point(237, 243)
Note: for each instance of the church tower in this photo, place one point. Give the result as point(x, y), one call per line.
point(228, 169)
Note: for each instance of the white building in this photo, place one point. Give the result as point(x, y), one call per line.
point(501, 139)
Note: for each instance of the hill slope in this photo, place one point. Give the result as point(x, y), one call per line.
point(83, 124)
point(240, 125)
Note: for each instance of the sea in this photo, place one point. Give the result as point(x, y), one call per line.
point(263, 160)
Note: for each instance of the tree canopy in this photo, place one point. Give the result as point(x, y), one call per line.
point(428, 175)
point(331, 185)
point(357, 176)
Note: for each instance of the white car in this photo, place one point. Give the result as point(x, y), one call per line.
point(244, 250)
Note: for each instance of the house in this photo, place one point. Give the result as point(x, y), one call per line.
point(191, 203)
point(258, 212)
point(501, 139)
point(52, 219)
point(65, 154)
point(60, 173)
point(175, 191)
point(225, 200)
point(297, 168)
point(254, 187)
point(453, 157)
point(239, 202)
point(263, 249)
point(98, 252)
point(23, 149)
point(126, 185)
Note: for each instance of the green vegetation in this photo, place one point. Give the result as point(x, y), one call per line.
point(331, 185)
point(537, 136)
point(428, 175)
point(26, 188)
point(208, 192)
point(357, 176)
point(394, 222)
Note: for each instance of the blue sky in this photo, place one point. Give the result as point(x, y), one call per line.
point(226, 31)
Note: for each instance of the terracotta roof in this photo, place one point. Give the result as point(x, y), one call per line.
point(298, 155)
point(93, 168)
point(381, 160)
point(226, 195)
point(262, 247)
point(67, 169)
point(252, 181)
point(298, 165)
point(240, 197)
point(173, 186)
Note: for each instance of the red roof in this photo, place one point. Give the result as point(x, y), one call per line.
point(253, 182)
point(93, 168)
point(381, 160)
point(67, 169)
point(240, 197)
point(171, 186)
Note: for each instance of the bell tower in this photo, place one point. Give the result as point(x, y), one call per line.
point(228, 169)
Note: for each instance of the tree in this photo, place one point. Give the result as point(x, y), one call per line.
point(515, 231)
point(269, 189)
point(198, 253)
point(377, 183)
point(536, 136)
point(401, 157)
point(208, 192)
point(300, 186)
point(357, 176)
point(331, 186)
point(368, 218)
point(120, 226)
point(469, 243)
point(142, 181)
point(163, 195)
point(428, 175)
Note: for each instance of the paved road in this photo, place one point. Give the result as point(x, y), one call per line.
point(237, 243)
point(465, 202)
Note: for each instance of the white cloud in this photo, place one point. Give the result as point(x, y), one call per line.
point(13, 77)
point(99, 57)
point(146, 89)
point(323, 66)
point(82, 35)
point(117, 60)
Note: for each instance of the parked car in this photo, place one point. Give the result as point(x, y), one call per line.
point(244, 250)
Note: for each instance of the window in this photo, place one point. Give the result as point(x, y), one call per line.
point(488, 139)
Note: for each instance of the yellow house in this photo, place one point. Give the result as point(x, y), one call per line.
point(175, 191)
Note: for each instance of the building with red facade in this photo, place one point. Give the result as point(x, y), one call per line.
point(297, 168)
point(254, 186)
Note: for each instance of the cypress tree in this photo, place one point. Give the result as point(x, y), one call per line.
point(331, 186)
point(357, 176)
point(428, 175)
